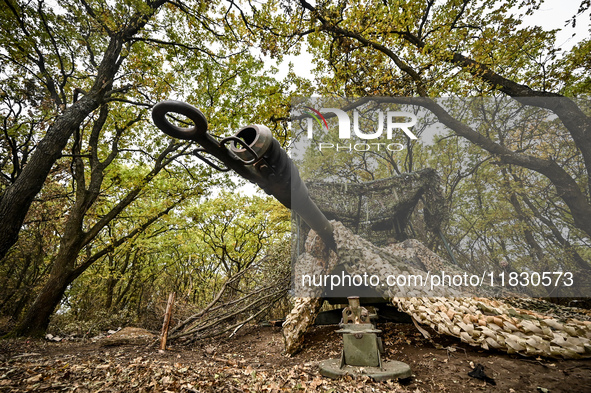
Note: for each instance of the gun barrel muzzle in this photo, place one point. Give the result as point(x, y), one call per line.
point(253, 153)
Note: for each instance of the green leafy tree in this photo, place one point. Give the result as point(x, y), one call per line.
point(77, 82)
point(50, 50)
point(428, 49)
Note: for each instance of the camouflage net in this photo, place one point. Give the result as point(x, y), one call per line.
point(477, 321)
point(379, 210)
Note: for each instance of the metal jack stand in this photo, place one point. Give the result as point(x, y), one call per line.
point(362, 349)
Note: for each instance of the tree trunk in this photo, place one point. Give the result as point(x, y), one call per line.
point(17, 199)
point(111, 281)
point(37, 317)
point(65, 271)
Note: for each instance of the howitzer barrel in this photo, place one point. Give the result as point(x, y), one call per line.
point(254, 154)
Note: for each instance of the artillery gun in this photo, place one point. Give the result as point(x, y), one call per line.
point(253, 153)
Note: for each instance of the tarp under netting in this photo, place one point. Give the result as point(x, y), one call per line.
point(366, 243)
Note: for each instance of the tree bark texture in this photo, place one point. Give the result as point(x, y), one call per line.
point(17, 198)
point(166, 323)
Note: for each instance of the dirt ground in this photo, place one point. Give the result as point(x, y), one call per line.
point(253, 361)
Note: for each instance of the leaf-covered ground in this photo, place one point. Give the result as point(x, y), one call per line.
point(253, 362)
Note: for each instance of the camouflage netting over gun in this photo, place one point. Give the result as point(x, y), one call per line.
point(477, 321)
point(370, 217)
point(379, 210)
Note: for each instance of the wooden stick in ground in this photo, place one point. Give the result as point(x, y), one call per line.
point(167, 317)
